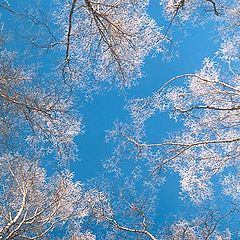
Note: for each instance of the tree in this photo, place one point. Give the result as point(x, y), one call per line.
point(106, 40)
point(94, 44)
point(207, 104)
point(31, 205)
point(32, 114)
point(209, 107)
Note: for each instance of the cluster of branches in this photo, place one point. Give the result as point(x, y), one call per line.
point(107, 40)
point(207, 103)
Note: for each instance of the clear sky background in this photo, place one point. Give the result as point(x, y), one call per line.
point(190, 47)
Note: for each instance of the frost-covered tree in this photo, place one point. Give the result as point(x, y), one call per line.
point(207, 104)
point(32, 114)
point(32, 205)
point(106, 40)
point(196, 230)
point(125, 211)
point(121, 210)
point(37, 121)
point(226, 17)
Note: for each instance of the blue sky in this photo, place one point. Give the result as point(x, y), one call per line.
point(100, 113)
point(192, 46)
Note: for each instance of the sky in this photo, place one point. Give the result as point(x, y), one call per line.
point(190, 47)
point(100, 113)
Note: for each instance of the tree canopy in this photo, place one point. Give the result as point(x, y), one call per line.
point(56, 58)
